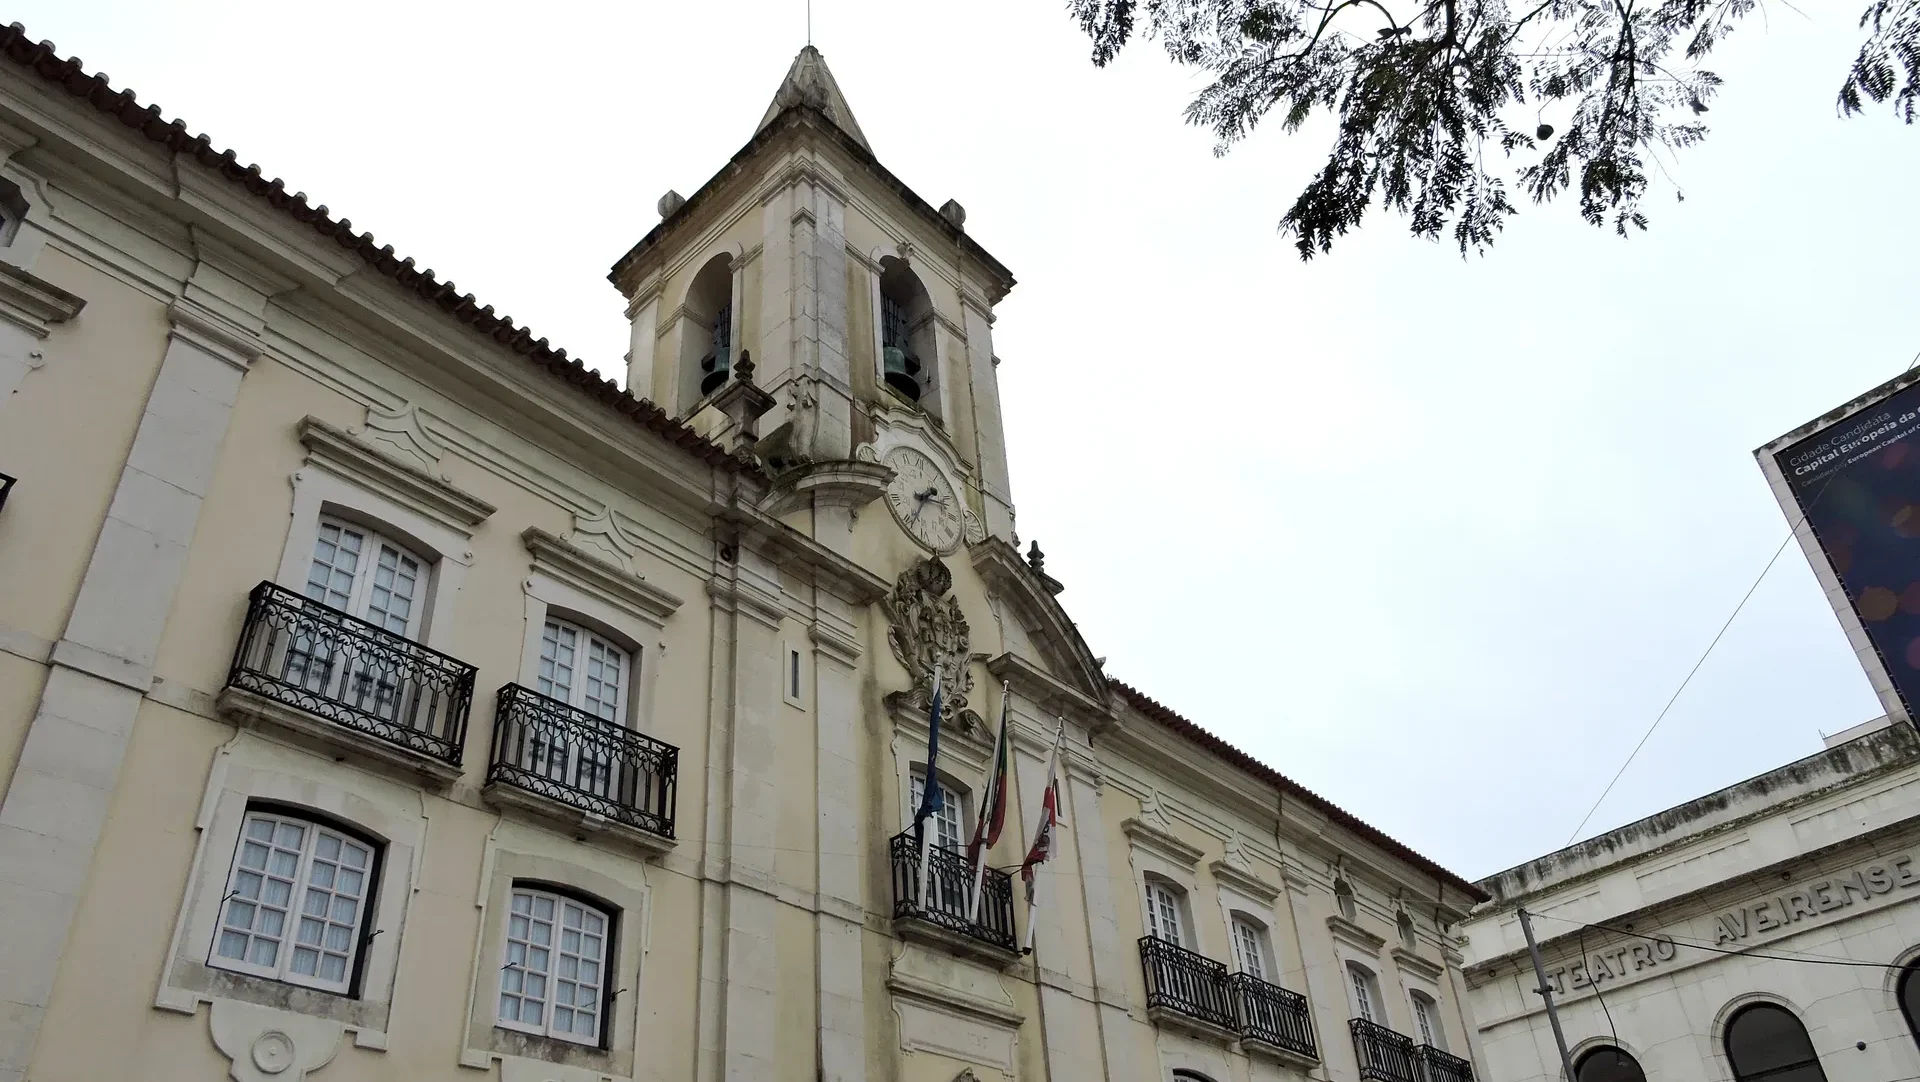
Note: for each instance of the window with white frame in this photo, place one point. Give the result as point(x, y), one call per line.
point(584, 670)
point(590, 673)
point(296, 902)
point(1366, 993)
point(1426, 1020)
point(1165, 919)
point(946, 823)
point(366, 575)
point(1249, 947)
point(554, 979)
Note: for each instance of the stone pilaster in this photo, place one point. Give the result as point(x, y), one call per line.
point(841, 1045)
point(989, 434)
point(739, 969)
point(1324, 983)
point(56, 806)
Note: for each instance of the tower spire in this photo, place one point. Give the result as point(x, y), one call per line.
point(808, 82)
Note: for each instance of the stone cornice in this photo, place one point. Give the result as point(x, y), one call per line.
point(333, 449)
point(1049, 693)
point(1355, 936)
point(792, 549)
point(1243, 881)
point(34, 304)
point(585, 571)
point(1161, 843)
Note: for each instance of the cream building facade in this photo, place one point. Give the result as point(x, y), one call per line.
point(1770, 931)
point(384, 695)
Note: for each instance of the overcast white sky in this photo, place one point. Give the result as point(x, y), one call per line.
point(1435, 538)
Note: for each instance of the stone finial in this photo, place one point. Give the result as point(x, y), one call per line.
point(953, 212)
point(743, 368)
point(1036, 559)
point(670, 202)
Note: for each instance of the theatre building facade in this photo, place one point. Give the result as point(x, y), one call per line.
point(1768, 931)
point(385, 695)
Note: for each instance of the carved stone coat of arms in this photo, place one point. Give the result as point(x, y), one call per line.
point(926, 629)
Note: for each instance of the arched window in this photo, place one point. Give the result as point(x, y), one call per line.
point(1250, 946)
point(1408, 938)
point(1765, 1041)
point(1910, 998)
point(1166, 912)
point(1181, 1074)
point(1366, 993)
point(906, 333)
point(297, 900)
point(1426, 1020)
point(1608, 1064)
point(1343, 897)
point(706, 331)
point(554, 980)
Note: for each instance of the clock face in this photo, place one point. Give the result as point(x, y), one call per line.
point(923, 501)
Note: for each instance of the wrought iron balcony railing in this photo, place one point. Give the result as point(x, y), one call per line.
point(1187, 983)
point(544, 746)
point(1444, 1066)
point(1385, 1056)
point(1273, 1015)
point(6, 486)
point(949, 886)
point(357, 675)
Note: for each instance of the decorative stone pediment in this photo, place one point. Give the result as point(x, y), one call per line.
point(1355, 936)
point(1161, 842)
point(926, 629)
point(403, 481)
point(605, 537)
point(1410, 962)
point(1244, 880)
point(1029, 600)
point(401, 433)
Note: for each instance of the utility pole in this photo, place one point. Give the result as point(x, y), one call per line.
point(1546, 994)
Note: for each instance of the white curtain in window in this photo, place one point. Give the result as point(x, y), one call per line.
point(554, 974)
point(1163, 913)
point(295, 902)
point(1363, 1004)
point(1425, 1023)
point(1247, 949)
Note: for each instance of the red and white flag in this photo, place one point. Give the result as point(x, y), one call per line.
point(1042, 849)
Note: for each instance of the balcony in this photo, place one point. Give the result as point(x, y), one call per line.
point(1187, 990)
point(1385, 1056)
point(1273, 1021)
point(349, 684)
point(943, 918)
point(563, 763)
point(6, 486)
point(1442, 1066)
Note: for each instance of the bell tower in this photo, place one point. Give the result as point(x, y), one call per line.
point(865, 312)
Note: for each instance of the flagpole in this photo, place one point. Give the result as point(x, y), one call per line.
point(994, 782)
point(1033, 896)
point(926, 839)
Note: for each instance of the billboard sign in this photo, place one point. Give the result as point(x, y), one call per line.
point(1850, 483)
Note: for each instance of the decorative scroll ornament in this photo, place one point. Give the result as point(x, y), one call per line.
point(928, 629)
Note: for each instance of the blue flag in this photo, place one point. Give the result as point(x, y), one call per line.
point(930, 800)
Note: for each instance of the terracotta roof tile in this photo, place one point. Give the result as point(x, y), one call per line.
point(1165, 716)
point(41, 59)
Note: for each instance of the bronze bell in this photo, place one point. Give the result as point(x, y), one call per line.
point(902, 371)
point(715, 366)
